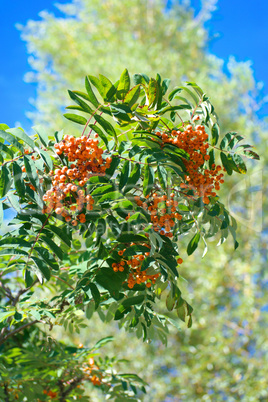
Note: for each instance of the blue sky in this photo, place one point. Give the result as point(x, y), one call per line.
point(241, 27)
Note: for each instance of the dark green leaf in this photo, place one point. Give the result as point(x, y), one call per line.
point(99, 132)
point(165, 85)
point(215, 133)
point(42, 266)
point(131, 237)
point(134, 300)
point(211, 158)
point(124, 175)
point(95, 294)
point(101, 227)
point(114, 225)
point(53, 246)
point(148, 181)
point(227, 163)
point(133, 178)
point(105, 125)
point(61, 233)
point(5, 180)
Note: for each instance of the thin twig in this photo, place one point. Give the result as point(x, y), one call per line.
point(28, 324)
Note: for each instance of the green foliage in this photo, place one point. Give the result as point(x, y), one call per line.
point(141, 205)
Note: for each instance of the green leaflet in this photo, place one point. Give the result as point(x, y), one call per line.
point(148, 181)
point(11, 140)
point(97, 130)
point(21, 135)
point(81, 103)
point(105, 125)
point(91, 96)
point(112, 195)
point(173, 108)
point(133, 178)
point(31, 171)
point(114, 225)
point(76, 118)
point(42, 266)
point(152, 92)
point(61, 233)
point(95, 294)
point(239, 164)
point(227, 163)
point(42, 135)
point(98, 85)
point(215, 133)
point(131, 237)
point(192, 246)
point(108, 88)
point(52, 245)
point(46, 158)
point(5, 180)
point(124, 174)
point(132, 96)
point(6, 149)
point(184, 312)
point(123, 86)
point(162, 176)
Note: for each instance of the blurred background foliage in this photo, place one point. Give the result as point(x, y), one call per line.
point(224, 355)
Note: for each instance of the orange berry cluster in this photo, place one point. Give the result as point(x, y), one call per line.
point(162, 210)
point(193, 140)
point(50, 393)
point(135, 273)
point(68, 196)
point(88, 370)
